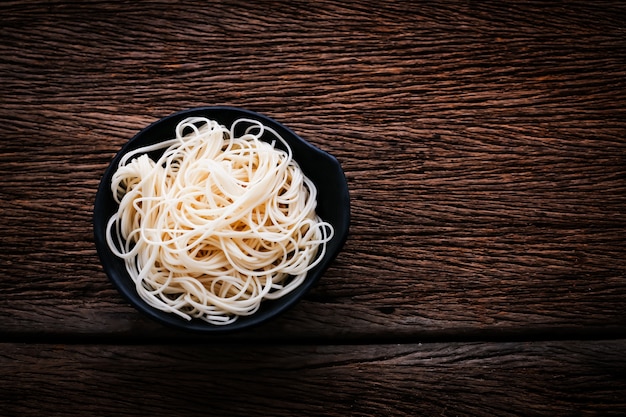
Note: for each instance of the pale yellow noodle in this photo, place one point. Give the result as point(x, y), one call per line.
point(218, 223)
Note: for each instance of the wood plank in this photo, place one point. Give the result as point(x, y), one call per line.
point(483, 144)
point(583, 378)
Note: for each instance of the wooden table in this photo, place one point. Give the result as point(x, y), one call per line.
point(485, 150)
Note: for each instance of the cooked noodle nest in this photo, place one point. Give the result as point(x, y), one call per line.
point(218, 222)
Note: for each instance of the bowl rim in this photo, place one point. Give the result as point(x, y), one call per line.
point(270, 308)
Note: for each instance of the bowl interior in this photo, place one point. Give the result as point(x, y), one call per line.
point(333, 206)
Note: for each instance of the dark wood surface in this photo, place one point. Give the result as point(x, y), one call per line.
point(484, 145)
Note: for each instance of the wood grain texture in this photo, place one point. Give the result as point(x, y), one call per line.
point(476, 379)
point(484, 146)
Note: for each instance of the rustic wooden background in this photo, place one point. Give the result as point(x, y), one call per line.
point(485, 149)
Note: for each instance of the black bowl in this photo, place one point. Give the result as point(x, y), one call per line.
point(333, 206)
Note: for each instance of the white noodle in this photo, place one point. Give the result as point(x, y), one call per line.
point(218, 223)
